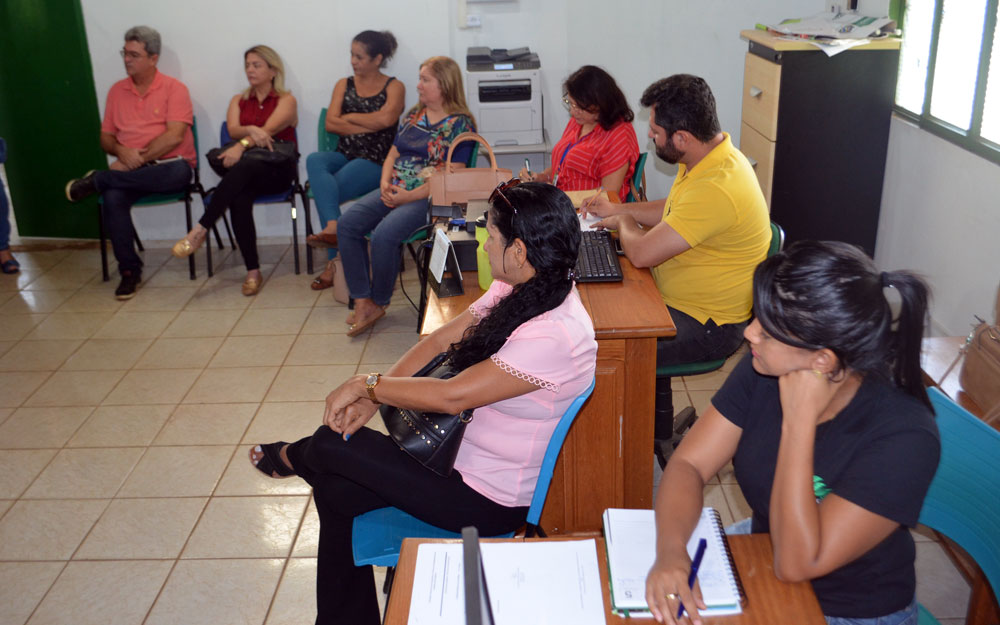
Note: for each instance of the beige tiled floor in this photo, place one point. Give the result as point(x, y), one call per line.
point(126, 495)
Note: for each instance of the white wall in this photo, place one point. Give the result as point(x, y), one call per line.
point(637, 41)
point(940, 218)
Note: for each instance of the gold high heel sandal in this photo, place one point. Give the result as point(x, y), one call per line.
point(251, 286)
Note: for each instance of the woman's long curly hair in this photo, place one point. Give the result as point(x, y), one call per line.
point(546, 222)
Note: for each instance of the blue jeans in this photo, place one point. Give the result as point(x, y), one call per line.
point(334, 179)
point(388, 227)
point(121, 189)
point(4, 219)
point(4, 206)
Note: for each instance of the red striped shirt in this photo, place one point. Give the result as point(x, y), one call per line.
point(582, 163)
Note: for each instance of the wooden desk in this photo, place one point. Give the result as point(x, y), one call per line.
point(936, 355)
point(768, 600)
point(606, 461)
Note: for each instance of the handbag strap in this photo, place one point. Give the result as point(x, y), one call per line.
point(470, 136)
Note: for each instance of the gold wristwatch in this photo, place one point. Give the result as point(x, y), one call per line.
point(245, 142)
point(370, 383)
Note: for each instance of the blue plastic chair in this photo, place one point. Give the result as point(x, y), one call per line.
point(963, 501)
point(273, 198)
point(378, 535)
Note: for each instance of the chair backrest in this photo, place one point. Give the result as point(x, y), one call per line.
point(777, 240)
point(552, 454)
point(637, 190)
point(325, 140)
point(963, 501)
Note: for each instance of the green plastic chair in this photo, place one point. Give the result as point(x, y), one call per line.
point(964, 498)
point(686, 417)
point(165, 198)
point(637, 190)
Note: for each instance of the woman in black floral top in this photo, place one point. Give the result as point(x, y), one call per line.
point(364, 111)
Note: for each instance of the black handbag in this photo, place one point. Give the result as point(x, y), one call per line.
point(432, 438)
point(283, 154)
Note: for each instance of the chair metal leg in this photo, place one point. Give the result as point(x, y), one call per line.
point(422, 275)
point(138, 243)
point(295, 236)
point(187, 215)
point(229, 232)
point(308, 228)
point(104, 243)
point(218, 239)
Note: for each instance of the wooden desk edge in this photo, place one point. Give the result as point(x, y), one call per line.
point(752, 553)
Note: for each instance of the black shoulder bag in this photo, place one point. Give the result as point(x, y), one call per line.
point(432, 438)
point(284, 154)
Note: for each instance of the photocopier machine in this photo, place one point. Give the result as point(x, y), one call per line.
point(504, 94)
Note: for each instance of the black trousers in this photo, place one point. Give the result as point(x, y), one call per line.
point(367, 472)
point(236, 191)
point(694, 342)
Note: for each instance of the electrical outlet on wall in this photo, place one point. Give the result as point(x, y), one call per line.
point(473, 21)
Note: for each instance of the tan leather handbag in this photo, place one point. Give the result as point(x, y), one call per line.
point(458, 186)
point(980, 374)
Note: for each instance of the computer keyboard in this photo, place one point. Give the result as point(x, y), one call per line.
point(597, 261)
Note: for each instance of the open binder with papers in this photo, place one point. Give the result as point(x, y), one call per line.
point(630, 536)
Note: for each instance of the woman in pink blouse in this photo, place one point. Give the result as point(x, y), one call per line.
point(525, 350)
point(598, 148)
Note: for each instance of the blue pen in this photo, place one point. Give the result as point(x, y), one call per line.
point(699, 555)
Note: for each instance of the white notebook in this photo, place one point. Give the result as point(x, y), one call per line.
point(630, 536)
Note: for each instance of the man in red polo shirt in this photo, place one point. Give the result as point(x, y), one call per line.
point(147, 128)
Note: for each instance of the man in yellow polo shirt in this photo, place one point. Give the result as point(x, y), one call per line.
point(704, 240)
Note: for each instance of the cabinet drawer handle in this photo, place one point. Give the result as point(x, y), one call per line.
point(755, 92)
point(753, 161)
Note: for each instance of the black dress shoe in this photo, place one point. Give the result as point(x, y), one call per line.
point(126, 288)
point(79, 188)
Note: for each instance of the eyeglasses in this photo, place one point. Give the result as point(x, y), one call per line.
point(569, 105)
point(503, 186)
point(132, 56)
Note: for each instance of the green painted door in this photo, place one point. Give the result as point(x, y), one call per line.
point(48, 114)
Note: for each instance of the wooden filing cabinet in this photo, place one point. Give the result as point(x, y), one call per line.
point(817, 129)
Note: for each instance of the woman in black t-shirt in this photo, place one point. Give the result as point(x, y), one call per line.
point(831, 435)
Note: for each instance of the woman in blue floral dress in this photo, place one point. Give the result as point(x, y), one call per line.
point(399, 206)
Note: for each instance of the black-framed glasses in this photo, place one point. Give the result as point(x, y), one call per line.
point(503, 186)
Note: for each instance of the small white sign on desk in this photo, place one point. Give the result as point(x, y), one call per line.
point(528, 582)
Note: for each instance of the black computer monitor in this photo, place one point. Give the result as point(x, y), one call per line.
point(477, 598)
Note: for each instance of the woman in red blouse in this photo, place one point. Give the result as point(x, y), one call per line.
point(258, 116)
point(599, 146)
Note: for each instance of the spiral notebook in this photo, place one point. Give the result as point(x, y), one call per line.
point(630, 536)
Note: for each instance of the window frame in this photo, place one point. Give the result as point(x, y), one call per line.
point(970, 139)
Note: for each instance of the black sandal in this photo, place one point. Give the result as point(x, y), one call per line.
point(271, 463)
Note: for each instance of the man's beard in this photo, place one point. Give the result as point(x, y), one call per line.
point(668, 153)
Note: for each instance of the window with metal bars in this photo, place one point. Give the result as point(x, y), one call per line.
point(945, 80)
